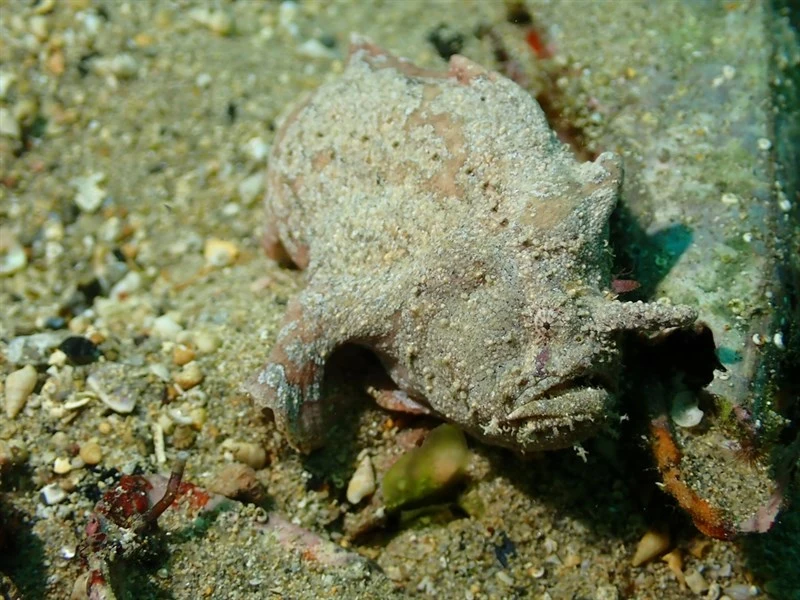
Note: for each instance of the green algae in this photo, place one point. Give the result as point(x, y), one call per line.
point(427, 471)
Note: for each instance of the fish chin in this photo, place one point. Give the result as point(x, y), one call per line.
point(561, 421)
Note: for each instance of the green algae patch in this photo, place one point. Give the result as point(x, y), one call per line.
point(427, 471)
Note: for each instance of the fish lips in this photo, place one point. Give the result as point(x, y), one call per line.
point(575, 399)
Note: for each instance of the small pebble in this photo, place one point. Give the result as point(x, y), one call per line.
point(126, 286)
point(91, 453)
point(238, 481)
point(653, 544)
point(54, 323)
point(143, 40)
point(249, 453)
point(183, 437)
point(59, 440)
point(166, 424)
point(206, 342)
point(250, 188)
point(7, 80)
point(504, 577)
point(12, 453)
point(315, 49)
point(198, 417)
point(287, 13)
point(777, 339)
point(26, 109)
point(220, 253)
point(18, 388)
point(203, 80)
point(52, 494)
point(9, 125)
point(44, 7)
point(189, 376)
point(256, 149)
point(32, 349)
point(56, 63)
point(166, 328)
point(216, 21)
point(741, 591)
point(362, 483)
point(714, 591)
point(91, 23)
point(696, 582)
point(161, 371)
point(182, 355)
point(61, 466)
point(550, 545)
point(12, 255)
point(57, 359)
point(38, 27)
point(89, 195)
point(606, 592)
point(122, 66)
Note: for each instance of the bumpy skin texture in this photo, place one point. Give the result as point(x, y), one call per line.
point(444, 226)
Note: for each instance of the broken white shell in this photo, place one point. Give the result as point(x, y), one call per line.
point(110, 386)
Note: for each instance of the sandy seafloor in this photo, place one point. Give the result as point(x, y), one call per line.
point(134, 135)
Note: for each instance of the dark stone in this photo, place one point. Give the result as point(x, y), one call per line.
point(79, 350)
point(518, 14)
point(55, 323)
point(83, 63)
point(505, 549)
point(446, 41)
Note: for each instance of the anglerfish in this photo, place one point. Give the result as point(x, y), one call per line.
point(443, 226)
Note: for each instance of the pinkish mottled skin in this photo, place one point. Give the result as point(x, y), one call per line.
point(444, 226)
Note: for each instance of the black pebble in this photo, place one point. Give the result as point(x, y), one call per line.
point(79, 350)
point(83, 63)
point(446, 41)
point(90, 289)
point(328, 40)
point(518, 14)
point(82, 298)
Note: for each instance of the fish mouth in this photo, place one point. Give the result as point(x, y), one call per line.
point(575, 399)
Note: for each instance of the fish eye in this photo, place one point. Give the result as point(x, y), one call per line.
point(546, 321)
